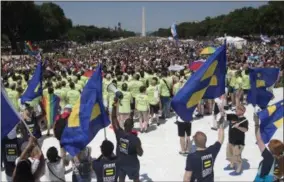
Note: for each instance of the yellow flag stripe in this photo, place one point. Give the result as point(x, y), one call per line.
point(213, 81)
point(260, 83)
point(96, 111)
point(74, 120)
point(271, 109)
point(195, 98)
point(279, 122)
point(210, 71)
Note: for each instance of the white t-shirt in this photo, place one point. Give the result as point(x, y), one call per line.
point(58, 171)
point(218, 101)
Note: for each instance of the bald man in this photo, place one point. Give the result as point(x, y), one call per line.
point(200, 164)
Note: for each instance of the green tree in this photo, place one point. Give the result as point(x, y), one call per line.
point(55, 23)
point(267, 19)
point(17, 21)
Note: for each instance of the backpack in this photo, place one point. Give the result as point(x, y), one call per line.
point(59, 127)
point(84, 168)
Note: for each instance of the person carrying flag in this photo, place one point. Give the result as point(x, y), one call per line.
point(271, 167)
point(32, 121)
point(273, 159)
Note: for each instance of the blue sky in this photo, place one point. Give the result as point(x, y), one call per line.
point(158, 14)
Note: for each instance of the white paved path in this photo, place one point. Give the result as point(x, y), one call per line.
point(161, 161)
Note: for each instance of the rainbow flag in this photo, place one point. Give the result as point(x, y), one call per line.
point(51, 105)
point(30, 49)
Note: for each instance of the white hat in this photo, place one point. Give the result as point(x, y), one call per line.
point(68, 106)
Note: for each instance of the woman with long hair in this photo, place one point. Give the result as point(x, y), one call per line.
point(23, 172)
point(272, 166)
point(28, 165)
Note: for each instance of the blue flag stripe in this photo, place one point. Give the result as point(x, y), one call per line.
point(207, 83)
point(34, 88)
point(11, 117)
point(269, 118)
point(87, 118)
point(260, 80)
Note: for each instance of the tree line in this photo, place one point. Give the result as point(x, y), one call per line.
point(25, 20)
point(267, 19)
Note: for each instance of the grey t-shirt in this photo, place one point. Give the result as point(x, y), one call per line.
point(55, 170)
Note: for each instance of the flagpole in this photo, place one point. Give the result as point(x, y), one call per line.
point(105, 133)
point(26, 127)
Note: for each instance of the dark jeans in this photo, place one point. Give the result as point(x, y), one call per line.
point(79, 178)
point(166, 106)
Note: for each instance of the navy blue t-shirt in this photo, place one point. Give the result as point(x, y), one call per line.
point(126, 148)
point(106, 169)
point(201, 163)
point(267, 163)
point(10, 150)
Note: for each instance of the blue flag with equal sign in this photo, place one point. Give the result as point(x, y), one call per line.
point(207, 83)
point(87, 118)
point(260, 80)
point(9, 115)
point(271, 119)
point(34, 89)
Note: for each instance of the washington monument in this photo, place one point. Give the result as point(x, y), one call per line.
point(143, 23)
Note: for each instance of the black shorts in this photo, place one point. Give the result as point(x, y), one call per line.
point(154, 109)
point(245, 91)
point(132, 105)
point(216, 109)
point(230, 89)
point(131, 171)
point(184, 127)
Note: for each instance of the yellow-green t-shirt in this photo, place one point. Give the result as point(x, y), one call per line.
point(45, 92)
point(105, 84)
point(246, 82)
point(72, 96)
point(164, 91)
point(233, 79)
point(78, 87)
point(153, 94)
point(119, 85)
point(110, 99)
point(62, 95)
point(141, 102)
point(177, 87)
point(84, 79)
point(149, 78)
point(134, 87)
point(82, 83)
point(239, 82)
point(143, 80)
point(14, 97)
point(124, 104)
